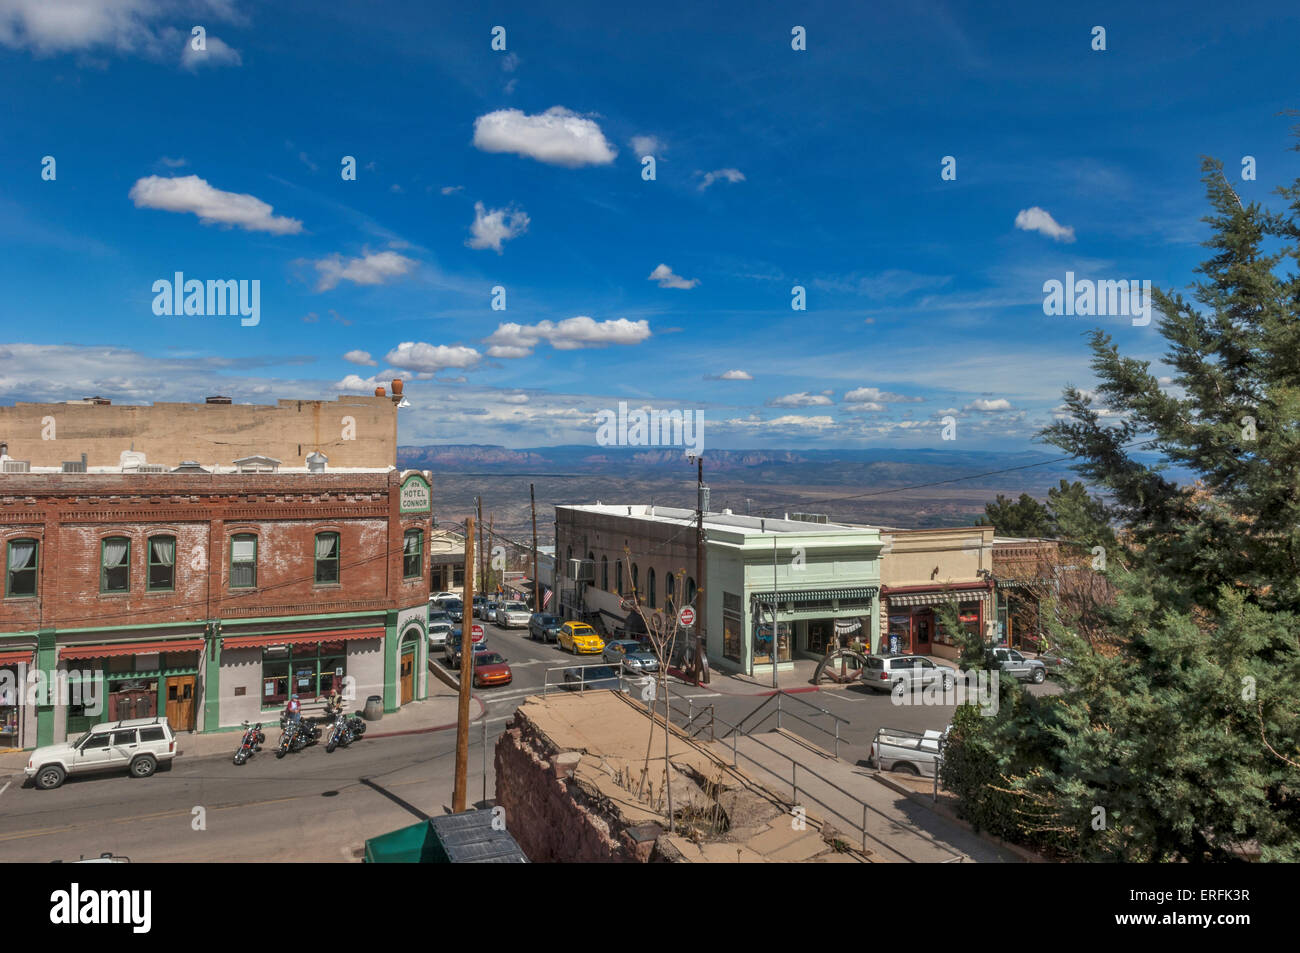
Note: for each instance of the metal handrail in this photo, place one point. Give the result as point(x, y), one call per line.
point(547, 684)
point(838, 720)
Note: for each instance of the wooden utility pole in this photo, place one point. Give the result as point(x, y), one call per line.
point(482, 567)
point(466, 672)
point(537, 584)
point(491, 568)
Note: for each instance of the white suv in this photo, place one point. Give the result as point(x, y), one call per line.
point(137, 746)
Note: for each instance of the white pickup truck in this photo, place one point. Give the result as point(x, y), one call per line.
point(917, 752)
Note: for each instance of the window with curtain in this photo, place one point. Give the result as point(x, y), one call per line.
point(327, 558)
point(413, 554)
point(604, 573)
point(650, 587)
point(115, 564)
point(243, 561)
point(162, 563)
point(21, 579)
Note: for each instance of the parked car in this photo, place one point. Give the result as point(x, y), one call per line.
point(451, 648)
point(1013, 663)
point(479, 603)
point(906, 673)
point(440, 625)
point(1054, 662)
point(593, 676)
point(511, 614)
point(544, 627)
point(488, 611)
point(443, 597)
point(634, 656)
point(490, 668)
point(454, 608)
point(136, 746)
point(915, 752)
point(580, 639)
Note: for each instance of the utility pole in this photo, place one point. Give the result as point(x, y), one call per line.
point(491, 568)
point(482, 569)
point(537, 583)
point(466, 672)
point(774, 681)
point(701, 672)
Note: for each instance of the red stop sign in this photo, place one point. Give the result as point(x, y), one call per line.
point(686, 616)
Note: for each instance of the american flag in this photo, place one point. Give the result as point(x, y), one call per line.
point(546, 597)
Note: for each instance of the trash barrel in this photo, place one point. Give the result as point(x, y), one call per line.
point(374, 709)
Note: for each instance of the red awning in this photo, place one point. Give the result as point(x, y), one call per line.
point(129, 648)
point(23, 656)
point(293, 638)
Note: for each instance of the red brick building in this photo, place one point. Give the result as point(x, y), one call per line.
point(207, 597)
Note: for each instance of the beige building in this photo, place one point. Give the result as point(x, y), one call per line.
point(920, 569)
point(351, 432)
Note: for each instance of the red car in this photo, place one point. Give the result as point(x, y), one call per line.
point(491, 669)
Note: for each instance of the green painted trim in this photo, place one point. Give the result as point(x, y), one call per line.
point(47, 660)
point(35, 567)
point(211, 681)
point(149, 564)
point(391, 662)
point(419, 569)
point(103, 569)
point(230, 562)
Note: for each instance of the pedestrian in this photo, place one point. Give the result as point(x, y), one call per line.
point(293, 711)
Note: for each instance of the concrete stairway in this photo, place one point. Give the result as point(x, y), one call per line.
point(898, 829)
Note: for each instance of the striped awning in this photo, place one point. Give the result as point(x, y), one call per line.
point(129, 648)
point(936, 598)
point(296, 638)
point(22, 655)
point(802, 596)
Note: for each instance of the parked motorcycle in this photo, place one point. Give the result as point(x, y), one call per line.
point(296, 735)
point(340, 732)
point(251, 743)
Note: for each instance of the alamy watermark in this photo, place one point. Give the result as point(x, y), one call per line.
point(1087, 298)
point(977, 687)
point(648, 427)
point(63, 688)
point(217, 297)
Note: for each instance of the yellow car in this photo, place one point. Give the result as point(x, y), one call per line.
point(580, 639)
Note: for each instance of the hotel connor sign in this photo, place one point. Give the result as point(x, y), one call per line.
point(416, 495)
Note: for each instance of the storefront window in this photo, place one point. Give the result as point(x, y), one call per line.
point(732, 626)
point(763, 643)
point(307, 669)
point(10, 711)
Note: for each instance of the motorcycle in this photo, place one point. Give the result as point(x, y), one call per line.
point(344, 729)
point(296, 735)
point(251, 743)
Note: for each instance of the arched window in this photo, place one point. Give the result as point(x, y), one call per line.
point(604, 573)
point(618, 575)
point(670, 586)
point(650, 587)
point(636, 587)
point(21, 578)
point(162, 563)
point(690, 592)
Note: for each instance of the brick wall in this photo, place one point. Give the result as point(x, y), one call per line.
point(70, 514)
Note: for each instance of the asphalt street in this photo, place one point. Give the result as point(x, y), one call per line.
point(312, 806)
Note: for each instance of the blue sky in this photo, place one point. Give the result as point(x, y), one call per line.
point(521, 168)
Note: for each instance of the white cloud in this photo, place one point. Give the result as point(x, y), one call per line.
point(491, 228)
point(557, 137)
point(731, 175)
point(664, 275)
point(359, 357)
point(54, 27)
point(874, 395)
point(866, 406)
point(372, 268)
point(189, 193)
point(648, 146)
point(515, 398)
point(801, 399)
point(787, 422)
point(985, 406)
point(451, 189)
point(518, 340)
point(173, 163)
point(1040, 220)
point(735, 376)
point(218, 53)
point(431, 358)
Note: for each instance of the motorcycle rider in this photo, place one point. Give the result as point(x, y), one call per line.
point(334, 703)
point(293, 711)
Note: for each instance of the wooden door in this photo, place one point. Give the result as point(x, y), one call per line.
point(922, 623)
point(180, 702)
point(408, 677)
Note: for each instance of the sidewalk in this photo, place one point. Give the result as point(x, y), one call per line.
point(726, 683)
point(436, 712)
